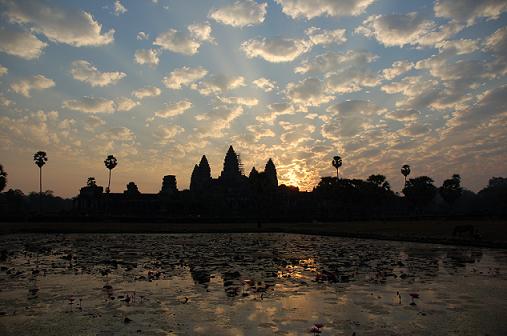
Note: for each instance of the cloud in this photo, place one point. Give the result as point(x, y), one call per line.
point(294, 134)
point(240, 13)
point(37, 82)
point(90, 105)
point(34, 129)
point(260, 131)
point(4, 101)
point(344, 72)
point(467, 11)
point(351, 79)
point(336, 8)
point(218, 84)
point(186, 43)
point(275, 110)
point(166, 133)
point(324, 37)
point(245, 101)
point(265, 84)
point(497, 42)
point(174, 109)
point(21, 44)
point(142, 36)
point(118, 134)
point(457, 47)
point(275, 50)
point(402, 29)
point(422, 92)
point(491, 104)
point(184, 76)
point(119, 8)
point(146, 56)
point(457, 74)
point(415, 130)
point(217, 120)
point(3, 70)
point(84, 71)
point(201, 32)
point(308, 92)
point(92, 122)
point(397, 68)
point(403, 115)
point(331, 61)
point(125, 104)
point(350, 118)
point(62, 25)
point(149, 91)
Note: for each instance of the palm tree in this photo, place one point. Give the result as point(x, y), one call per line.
point(110, 163)
point(405, 170)
point(40, 159)
point(337, 163)
point(3, 178)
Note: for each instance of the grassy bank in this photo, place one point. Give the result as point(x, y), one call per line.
point(493, 232)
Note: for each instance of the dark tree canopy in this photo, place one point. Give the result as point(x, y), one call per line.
point(379, 181)
point(3, 178)
point(405, 170)
point(40, 158)
point(420, 190)
point(337, 161)
point(451, 189)
point(110, 162)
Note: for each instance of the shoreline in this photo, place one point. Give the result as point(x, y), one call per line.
point(493, 232)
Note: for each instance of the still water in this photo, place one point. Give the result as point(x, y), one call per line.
point(247, 284)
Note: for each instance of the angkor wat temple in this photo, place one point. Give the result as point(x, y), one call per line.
point(230, 195)
point(233, 196)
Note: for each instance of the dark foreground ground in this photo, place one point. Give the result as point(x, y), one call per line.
point(492, 233)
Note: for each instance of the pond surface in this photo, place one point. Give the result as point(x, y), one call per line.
point(247, 284)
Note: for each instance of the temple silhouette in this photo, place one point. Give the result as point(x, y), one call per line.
point(231, 195)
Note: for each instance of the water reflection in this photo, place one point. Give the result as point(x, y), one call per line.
point(246, 284)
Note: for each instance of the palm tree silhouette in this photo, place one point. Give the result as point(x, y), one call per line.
point(110, 163)
point(405, 170)
point(337, 163)
point(40, 159)
point(3, 178)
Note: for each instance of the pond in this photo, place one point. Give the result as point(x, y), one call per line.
point(247, 284)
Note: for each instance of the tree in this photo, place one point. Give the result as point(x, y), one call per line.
point(405, 170)
point(110, 162)
point(337, 163)
point(379, 181)
point(420, 190)
point(40, 159)
point(493, 198)
point(451, 189)
point(3, 178)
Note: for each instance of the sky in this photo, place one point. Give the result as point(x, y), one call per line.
point(158, 84)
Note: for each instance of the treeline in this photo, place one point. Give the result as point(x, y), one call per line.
point(333, 199)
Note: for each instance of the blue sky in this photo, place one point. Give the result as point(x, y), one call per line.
point(159, 83)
